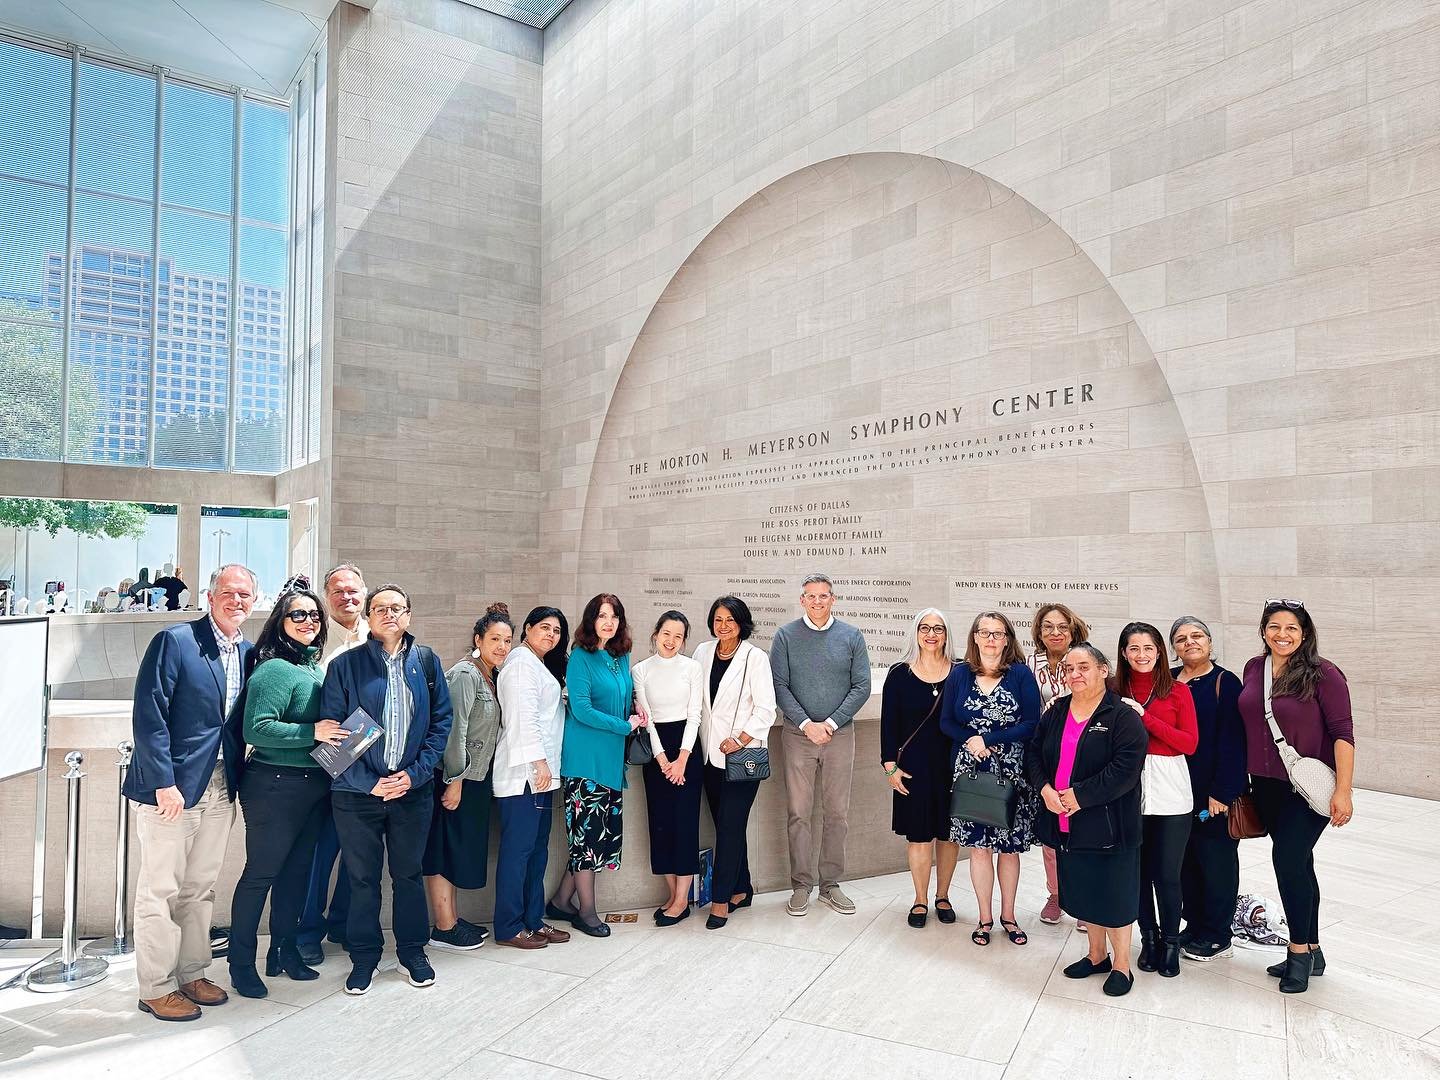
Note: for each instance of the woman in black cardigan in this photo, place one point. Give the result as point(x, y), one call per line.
point(1085, 760)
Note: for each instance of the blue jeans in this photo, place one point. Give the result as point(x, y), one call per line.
point(520, 865)
point(315, 920)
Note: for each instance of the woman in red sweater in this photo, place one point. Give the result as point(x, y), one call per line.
point(1143, 676)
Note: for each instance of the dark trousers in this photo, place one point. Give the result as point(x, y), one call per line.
point(283, 808)
point(1294, 831)
point(325, 913)
point(373, 831)
point(1162, 852)
point(730, 809)
point(520, 864)
point(1210, 880)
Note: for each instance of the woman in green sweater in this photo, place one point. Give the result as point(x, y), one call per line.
point(284, 794)
point(599, 715)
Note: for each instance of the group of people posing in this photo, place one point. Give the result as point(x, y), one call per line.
point(1127, 773)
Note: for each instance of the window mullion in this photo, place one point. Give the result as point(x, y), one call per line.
point(65, 278)
point(232, 396)
point(153, 408)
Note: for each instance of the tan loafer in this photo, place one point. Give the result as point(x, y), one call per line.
point(173, 1007)
point(552, 935)
point(204, 992)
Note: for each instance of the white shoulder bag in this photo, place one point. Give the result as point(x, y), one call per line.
point(1312, 779)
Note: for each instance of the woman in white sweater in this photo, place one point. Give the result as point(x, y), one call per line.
point(667, 690)
point(526, 773)
point(738, 709)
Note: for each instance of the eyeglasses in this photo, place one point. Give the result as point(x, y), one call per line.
point(926, 628)
point(992, 635)
point(298, 616)
point(388, 609)
point(1293, 605)
point(807, 598)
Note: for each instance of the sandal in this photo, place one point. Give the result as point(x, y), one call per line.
point(943, 911)
point(917, 916)
point(1016, 936)
point(981, 934)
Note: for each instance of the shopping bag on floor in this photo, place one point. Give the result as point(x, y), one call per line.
point(1258, 923)
point(700, 887)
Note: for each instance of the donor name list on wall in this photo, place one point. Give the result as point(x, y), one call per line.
point(916, 404)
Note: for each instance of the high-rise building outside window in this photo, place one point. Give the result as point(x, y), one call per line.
point(130, 201)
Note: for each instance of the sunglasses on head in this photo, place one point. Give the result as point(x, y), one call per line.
point(1280, 601)
point(299, 616)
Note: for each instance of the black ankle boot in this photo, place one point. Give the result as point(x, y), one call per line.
point(284, 958)
point(246, 981)
point(1149, 950)
point(1168, 961)
point(1298, 968)
point(1317, 964)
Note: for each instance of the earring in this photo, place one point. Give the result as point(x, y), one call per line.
point(475, 654)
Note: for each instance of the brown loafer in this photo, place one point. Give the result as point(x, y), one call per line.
point(204, 992)
point(523, 940)
point(173, 1007)
point(553, 936)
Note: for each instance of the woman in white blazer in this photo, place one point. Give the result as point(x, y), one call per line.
point(737, 710)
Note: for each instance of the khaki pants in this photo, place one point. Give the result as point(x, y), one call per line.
point(175, 893)
point(832, 766)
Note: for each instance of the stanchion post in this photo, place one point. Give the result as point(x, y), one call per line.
point(71, 971)
point(120, 944)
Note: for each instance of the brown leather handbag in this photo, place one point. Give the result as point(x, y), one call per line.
point(1243, 819)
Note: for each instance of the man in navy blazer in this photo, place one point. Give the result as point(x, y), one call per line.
point(183, 779)
point(384, 801)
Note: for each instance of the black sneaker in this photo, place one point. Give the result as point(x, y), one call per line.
point(1205, 951)
point(219, 940)
point(474, 926)
point(418, 971)
point(459, 937)
point(359, 981)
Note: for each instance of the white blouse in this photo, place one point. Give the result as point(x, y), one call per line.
point(668, 689)
point(744, 701)
point(532, 723)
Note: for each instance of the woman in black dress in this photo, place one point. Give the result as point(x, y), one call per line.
point(1086, 759)
point(916, 758)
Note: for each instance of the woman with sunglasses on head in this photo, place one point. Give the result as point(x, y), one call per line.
point(915, 755)
point(1053, 630)
point(1310, 701)
point(526, 773)
point(1210, 874)
point(1143, 678)
point(284, 793)
point(990, 708)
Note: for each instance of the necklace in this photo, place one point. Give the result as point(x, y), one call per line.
point(935, 687)
point(726, 656)
point(614, 664)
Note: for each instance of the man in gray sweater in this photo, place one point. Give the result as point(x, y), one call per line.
point(822, 677)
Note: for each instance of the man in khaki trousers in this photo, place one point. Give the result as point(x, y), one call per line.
point(182, 780)
point(821, 670)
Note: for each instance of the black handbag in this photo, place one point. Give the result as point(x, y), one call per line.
point(749, 764)
point(985, 799)
point(638, 750)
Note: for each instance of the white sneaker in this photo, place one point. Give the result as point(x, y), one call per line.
point(799, 902)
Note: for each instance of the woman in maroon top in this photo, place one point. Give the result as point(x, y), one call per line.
point(1311, 704)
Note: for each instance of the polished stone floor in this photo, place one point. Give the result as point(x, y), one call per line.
point(824, 996)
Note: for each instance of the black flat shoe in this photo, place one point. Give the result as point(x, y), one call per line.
point(714, 922)
point(943, 911)
point(1149, 950)
point(670, 920)
point(746, 902)
point(559, 914)
point(1317, 965)
point(310, 952)
point(1298, 969)
point(590, 931)
point(1085, 967)
point(246, 981)
point(1118, 984)
point(917, 916)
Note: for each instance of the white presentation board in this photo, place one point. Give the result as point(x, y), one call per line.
point(24, 649)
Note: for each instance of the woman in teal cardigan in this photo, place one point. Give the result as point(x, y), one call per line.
point(592, 765)
point(284, 794)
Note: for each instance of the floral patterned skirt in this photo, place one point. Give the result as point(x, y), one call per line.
point(593, 824)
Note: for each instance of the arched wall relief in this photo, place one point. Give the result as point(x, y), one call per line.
point(893, 370)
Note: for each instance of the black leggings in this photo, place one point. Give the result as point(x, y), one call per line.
point(1210, 880)
point(1162, 851)
point(1294, 830)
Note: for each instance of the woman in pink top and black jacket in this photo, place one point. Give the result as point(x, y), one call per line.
point(1085, 759)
